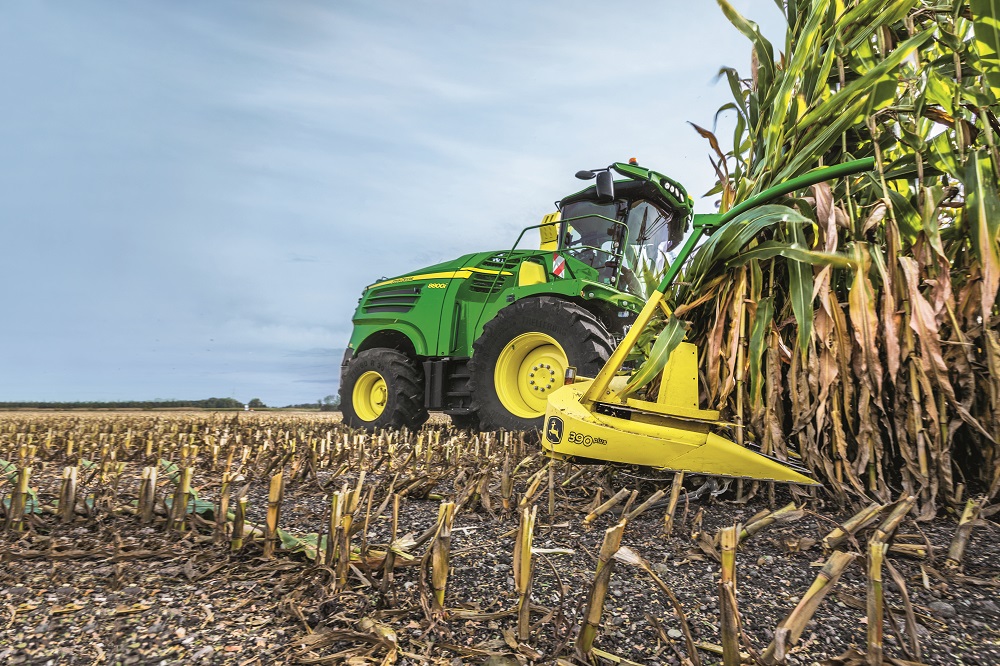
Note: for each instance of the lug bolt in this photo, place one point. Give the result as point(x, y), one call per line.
point(531, 374)
point(536, 388)
point(531, 381)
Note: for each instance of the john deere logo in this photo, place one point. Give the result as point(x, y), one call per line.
point(554, 430)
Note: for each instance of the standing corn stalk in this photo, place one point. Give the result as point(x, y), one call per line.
point(274, 497)
point(182, 496)
point(67, 495)
point(876, 555)
point(675, 493)
point(222, 515)
point(239, 519)
point(390, 555)
point(599, 590)
point(523, 569)
point(957, 548)
point(729, 621)
point(440, 550)
point(18, 501)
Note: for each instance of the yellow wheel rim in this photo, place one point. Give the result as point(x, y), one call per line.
point(530, 367)
point(369, 396)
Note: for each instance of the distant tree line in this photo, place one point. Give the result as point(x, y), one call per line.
point(209, 403)
point(330, 403)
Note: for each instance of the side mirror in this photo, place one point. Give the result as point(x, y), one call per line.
point(605, 187)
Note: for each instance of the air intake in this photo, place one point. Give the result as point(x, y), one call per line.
point(391, 299)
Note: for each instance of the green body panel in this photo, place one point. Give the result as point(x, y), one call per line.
point(441, 309)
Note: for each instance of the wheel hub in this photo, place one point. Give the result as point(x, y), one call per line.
point(369, 396)
point(529, 368)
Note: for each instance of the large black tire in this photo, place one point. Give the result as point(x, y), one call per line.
point(582, 337)
point(404, 391)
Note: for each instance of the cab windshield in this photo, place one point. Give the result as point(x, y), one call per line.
point(593, 233)
point(649, 240)
point(626, 242)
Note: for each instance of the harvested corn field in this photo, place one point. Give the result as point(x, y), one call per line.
point(198, 538)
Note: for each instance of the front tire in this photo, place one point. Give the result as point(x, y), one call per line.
point(522, 356)
point(382, 388)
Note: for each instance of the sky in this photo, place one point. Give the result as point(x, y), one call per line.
point(194, 194)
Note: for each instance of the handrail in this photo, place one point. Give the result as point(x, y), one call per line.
point(620, 255)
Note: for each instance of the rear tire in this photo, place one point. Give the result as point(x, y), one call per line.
point(522, 356)
point(383, 388)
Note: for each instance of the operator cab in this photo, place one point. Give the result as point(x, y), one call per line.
point(626, 239)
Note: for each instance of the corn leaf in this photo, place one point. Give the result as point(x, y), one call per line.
point(765, 52)
point(808, 40)
point(769, 249)
point(984, 217)
point(800, 287)
point(860, 22)
point(9, 470)
point(986, 22)
point(727, 243)
point(171, 470)
point(306, 544)
point(31, 503)
point(761, 324)
point(203, 508)
point(861, 86)
point(666, 342)
point(864, 320)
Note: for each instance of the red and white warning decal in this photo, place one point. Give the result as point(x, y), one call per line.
point(558, 265)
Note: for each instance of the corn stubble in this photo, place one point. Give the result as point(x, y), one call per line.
point(98, 472)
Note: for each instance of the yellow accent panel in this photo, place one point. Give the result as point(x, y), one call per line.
point(487, 271)
point(652, 440)
point(679, 379)
point(673, 410)
point(464, 272)
point(531, 273)
point(446, 275)
point(369, 396)
point(529, 368)
point(549, 232)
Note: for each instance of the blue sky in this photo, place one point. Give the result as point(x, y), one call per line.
point(195, 193)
